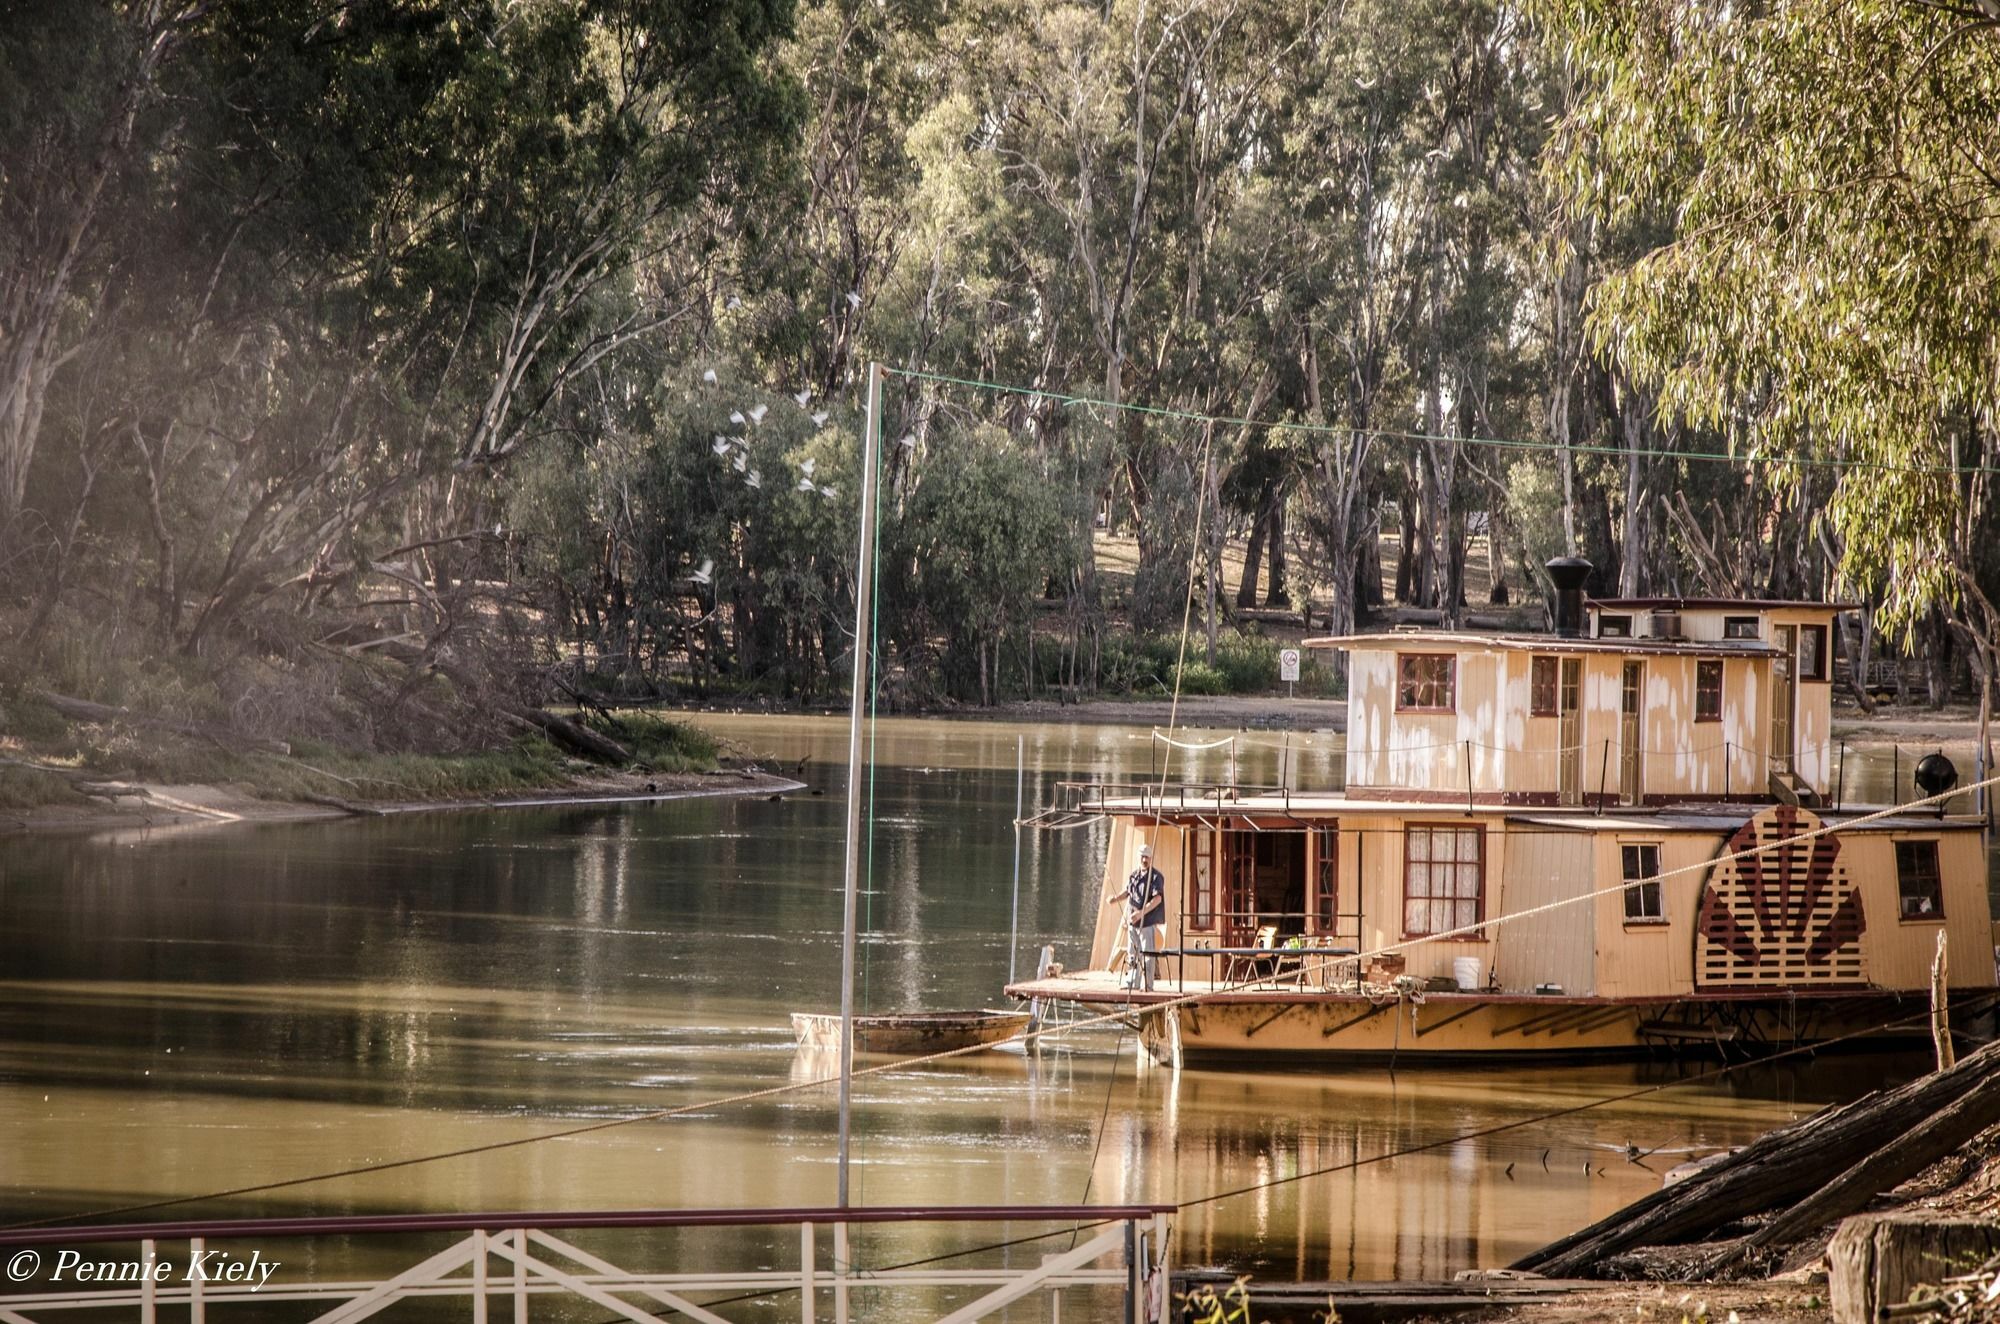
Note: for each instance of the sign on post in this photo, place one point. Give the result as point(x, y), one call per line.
point(1288, 665)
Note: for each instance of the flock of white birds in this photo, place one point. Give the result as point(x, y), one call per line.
point(736, 449)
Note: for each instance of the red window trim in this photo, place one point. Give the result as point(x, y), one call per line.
point(1937, 916)
point(1659, 889)
point(1478, 934)
point(1721, 682)
point(1554, 709)
point(1199, 921)
point(1451, 707)
point(1321, 911)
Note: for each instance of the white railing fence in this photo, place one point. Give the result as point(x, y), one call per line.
point(504, 1264)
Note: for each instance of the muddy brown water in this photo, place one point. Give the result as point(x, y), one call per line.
point(188, 1010)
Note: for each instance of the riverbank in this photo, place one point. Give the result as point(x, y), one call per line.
point(121, 769)
point(154, 805)
point(61, 775)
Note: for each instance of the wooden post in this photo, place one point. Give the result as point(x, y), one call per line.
point(1465, 748)
point(1876, 1259)
point(479, 1264)
point(1940, 1007)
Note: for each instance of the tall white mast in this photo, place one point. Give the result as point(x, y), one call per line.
point(864, 593)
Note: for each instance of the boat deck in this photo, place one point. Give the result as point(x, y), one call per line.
point(1104, 988)
point(1203, 1022)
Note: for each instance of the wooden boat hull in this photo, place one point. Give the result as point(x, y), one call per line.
point(912, 1035)
point(1282, 1028)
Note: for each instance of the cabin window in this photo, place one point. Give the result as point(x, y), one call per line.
point(1326, 879)
point(1200, 877)
point(1444, 879)
point(1919, 889)
point(1614, 627)
point(1708, 691)
point(1740, 627)
point(1542, 687)
point(1426, 682)
point(1812, 652)
point(1643, 904)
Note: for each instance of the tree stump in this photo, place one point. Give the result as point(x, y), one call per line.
point(1877, 1260)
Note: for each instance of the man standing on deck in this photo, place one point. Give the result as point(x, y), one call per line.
point(1145, 900)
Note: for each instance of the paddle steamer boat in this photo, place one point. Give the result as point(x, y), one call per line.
point(1561, 808)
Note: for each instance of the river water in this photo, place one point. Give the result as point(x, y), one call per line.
point(192, 1010)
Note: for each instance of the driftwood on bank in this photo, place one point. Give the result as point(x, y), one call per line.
point(345, 806)
point(1868, 1146)
point(1882, 1169)
point(573, 736)
point(83, 710)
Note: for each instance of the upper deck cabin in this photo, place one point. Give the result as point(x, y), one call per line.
point(1630, 701)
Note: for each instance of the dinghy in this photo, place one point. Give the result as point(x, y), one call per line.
point(910, 1034)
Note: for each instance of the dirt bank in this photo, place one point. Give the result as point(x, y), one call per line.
point(1674, 1303)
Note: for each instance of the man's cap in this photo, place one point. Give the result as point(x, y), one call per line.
point(1145, 851)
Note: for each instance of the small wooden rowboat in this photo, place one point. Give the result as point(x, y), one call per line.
point(911, 1034)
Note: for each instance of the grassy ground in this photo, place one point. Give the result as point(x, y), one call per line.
point(48, 761)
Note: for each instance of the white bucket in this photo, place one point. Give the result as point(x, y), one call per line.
point(1465, 969)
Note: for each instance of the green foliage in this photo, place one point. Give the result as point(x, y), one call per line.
point(1825, 290)
point(392, 325)
point(1204, 1305)
point(29, 788)
point(979, 537)
point(1248, 662)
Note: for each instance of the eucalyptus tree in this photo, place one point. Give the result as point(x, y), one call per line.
point(337, 266)
point(1829, 290)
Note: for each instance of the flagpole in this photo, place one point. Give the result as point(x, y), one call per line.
point(864, 592)
point(1020, 778)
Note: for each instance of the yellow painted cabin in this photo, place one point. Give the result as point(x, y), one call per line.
point(1556, 804)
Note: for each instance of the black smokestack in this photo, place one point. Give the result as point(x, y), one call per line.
point(1568, 574)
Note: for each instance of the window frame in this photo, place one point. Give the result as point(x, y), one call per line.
point(1403, 680)
point(1903, 912)
point(1701, 665)
point(1628, 853)
point(1731, 627)
point(1430, 898)
point(1544, 691)
point(1614, 627)
point(1198, 880)
point(1823, 672)
point(1326, 878)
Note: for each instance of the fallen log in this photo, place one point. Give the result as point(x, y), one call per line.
point(1880, 1170)
point(345, 806)
point(1777, 1169)
point(83, 710)
point(574, 736)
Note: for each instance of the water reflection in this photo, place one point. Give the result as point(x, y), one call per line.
point(187, 1011)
